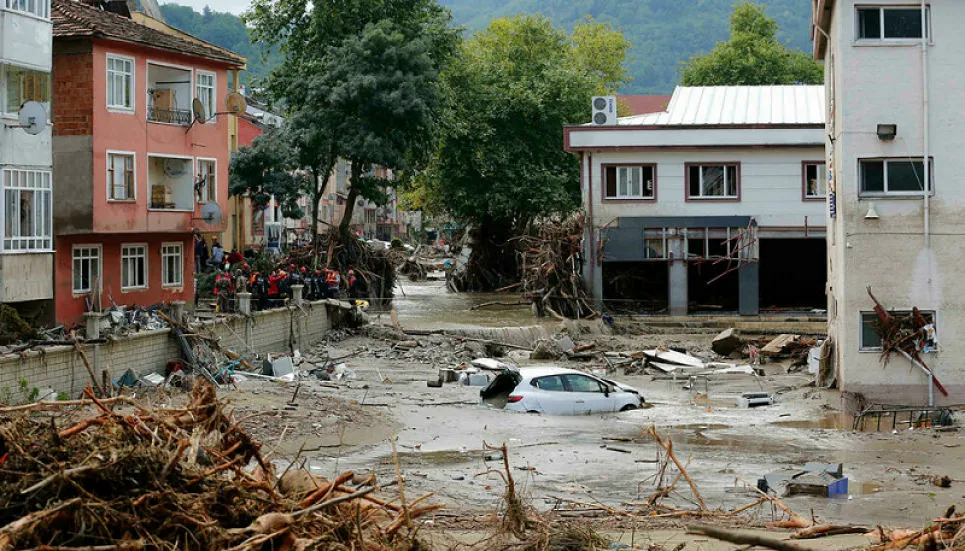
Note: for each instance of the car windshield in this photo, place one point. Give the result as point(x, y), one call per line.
point(552, 383)
point(582, 383)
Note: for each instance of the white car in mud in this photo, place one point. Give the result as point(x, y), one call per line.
point(558, 391)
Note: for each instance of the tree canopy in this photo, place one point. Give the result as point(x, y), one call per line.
point(500, 162)
point(265, 169)
point(752, 56)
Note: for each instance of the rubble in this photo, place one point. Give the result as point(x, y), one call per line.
point(726, 342)
point(551, 270)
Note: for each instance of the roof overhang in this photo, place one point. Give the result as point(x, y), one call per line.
point(820, 19)
point(644, 138)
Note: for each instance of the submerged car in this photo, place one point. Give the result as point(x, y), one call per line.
point(558, 391)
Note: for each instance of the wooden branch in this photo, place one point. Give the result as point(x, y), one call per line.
point(744, 538)
point(668, 447)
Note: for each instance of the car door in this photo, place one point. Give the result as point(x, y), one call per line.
point(551, 395)
point(588, 395)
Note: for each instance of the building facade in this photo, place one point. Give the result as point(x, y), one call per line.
point(133, 168)
point(26, 235)
point(715, 205)
point(893, 100)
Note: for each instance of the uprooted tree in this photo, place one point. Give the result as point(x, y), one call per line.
point(500, 165)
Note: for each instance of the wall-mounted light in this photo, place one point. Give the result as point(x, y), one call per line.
point(872, 214)
point(887, 132)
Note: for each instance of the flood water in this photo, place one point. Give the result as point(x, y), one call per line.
point(429, 305)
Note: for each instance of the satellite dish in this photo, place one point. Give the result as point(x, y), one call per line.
point(211, 213)
point(235, 103)
point(32, 118)
point(198, 109)
point(174, 167)
point(361, 202)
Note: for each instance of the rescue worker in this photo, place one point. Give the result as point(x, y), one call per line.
point(273, 291)
point(284, 285)
point(295, 277)
point(241, 282)
point(333, 280)
point(223, 287)
point(246, 271)
point(260, 286)
point(319, 285)
point(308, 280)
point(353, 285)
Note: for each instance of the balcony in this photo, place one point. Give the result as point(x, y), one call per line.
point(170, 181)
point(168, 95)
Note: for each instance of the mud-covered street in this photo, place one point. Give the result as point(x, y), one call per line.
point(339, 425)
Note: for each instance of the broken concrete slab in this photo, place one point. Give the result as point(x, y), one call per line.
point(672, 357)
point(778, 344)
point(544, 350)
point(564, 344)
point(726, 342)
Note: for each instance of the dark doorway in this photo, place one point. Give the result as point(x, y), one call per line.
point(635, 287)
point(793, 274)
point(713, 287)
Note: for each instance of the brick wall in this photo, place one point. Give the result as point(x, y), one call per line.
point(62, 369)
point(73, 101)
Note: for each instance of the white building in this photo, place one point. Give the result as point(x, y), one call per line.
point(895, 98)
point(715, 205)
point(26, 254)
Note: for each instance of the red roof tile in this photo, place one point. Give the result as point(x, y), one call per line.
point(73, 18)
point(641, 105)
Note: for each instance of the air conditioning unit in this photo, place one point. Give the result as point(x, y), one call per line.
point(604, 110)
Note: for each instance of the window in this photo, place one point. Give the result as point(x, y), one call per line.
point(172, 262)
point(894, 176)
point(713, 181)
point(891, 23)
point(629, 182)
point(27, 210)
point(870, 341)
point(207, 178)
point(582, 383)
point(40, 8)
point(87, 268)
point(25, 85)
point(552, 383)
point(815, 181)
point(133, 267)
point(120, 176)
point(204, 91)
point(369, 216)
point(120, 82)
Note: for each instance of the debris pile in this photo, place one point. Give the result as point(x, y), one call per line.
point(552, 264)
point(176, 478)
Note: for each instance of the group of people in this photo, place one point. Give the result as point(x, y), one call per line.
point(217, 259)
point(273, 289)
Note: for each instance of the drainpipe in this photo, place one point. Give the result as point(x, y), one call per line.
point(587, 165)
point(925, 125)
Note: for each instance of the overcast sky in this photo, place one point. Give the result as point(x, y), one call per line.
point(234, 6)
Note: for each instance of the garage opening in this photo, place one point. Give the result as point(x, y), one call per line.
point(636, 287)
point(793, 274)
point(713, 284)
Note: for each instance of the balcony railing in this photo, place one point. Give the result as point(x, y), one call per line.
point(170, 116)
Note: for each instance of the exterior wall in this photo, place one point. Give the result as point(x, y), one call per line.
point(25, 41)
point(247, 132)
point(71, 307)
point(883, 84)
point(130, 132)
point(62, 369)
point(771, 186)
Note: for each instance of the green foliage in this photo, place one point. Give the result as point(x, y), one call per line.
point(396, 243)
point(664, 33)
point(28, 394)
point(501, 162)
point(227, 31)
point(752, 56)
point(63, 396)
point(265, 169)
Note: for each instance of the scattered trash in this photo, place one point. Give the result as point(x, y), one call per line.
point(817, 479)
point(754, 399)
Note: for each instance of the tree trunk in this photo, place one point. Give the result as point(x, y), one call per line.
point(353, 196)
point(317, 189)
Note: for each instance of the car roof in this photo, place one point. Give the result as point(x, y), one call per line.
point(543, 371)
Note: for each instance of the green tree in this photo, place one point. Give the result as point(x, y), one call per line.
point(500, 163)
point(311, 133)
point(752, 56)
point(265, 169)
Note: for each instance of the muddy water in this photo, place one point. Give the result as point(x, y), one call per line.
point(429, 305)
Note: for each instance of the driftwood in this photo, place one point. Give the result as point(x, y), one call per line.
point(745, 538)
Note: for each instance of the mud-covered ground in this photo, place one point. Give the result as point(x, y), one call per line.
point(440, 432)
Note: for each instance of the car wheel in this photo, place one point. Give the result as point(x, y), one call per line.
point(628, 407)
point(534, 411)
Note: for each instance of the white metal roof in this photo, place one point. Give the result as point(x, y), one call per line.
point(723, 105)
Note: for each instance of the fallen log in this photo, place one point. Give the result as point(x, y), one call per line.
point(745, 538)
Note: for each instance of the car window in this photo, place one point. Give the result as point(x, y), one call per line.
point(582, 383)
point(552, 383)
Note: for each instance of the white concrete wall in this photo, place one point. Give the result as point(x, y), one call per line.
point(771, 183)
point(883, 84)
point(25, 40)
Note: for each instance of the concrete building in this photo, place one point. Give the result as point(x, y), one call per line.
point(132, 168)
point(894, 100)
point(714, 205)
point(26, 235)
